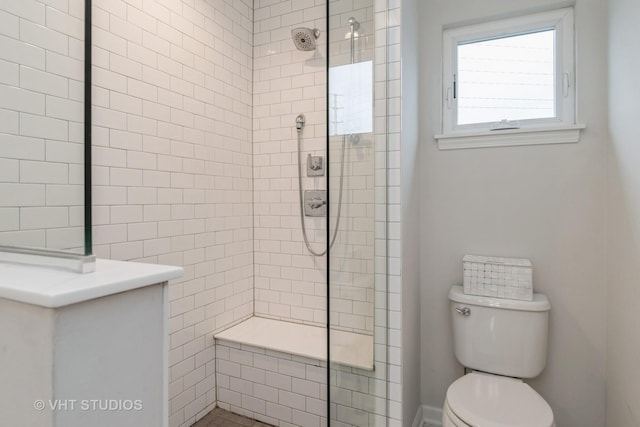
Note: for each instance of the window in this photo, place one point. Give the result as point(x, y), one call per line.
point(509, 80)
point(511, 77)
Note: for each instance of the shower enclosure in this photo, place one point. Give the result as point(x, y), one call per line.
point(316, 349)
point(245, 141)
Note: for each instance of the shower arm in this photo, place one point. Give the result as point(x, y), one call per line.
point(353, 43)
point(355, 26)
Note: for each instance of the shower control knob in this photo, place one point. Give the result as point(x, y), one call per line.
point(316, 203)
point(465, 311)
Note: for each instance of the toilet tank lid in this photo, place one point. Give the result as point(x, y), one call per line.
point(540, 301)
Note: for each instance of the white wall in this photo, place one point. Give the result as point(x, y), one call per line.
point(623, 217)
point(173, 167)
point(545, 203)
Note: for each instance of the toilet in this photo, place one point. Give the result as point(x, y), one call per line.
point(499, 342)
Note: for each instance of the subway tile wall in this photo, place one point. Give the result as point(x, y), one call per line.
point(288, 390)
point(42, 124)
point(269, 386)
point(353, 254)
point(184, 118)
point(290, 282)
point(173, 167)
point(264, 391)
point(388, 224)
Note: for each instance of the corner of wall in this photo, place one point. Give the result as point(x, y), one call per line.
point(410, 208)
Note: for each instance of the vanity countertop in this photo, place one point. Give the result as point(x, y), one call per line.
point(53, 288)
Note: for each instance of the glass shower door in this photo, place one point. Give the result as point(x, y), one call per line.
point(357, 181)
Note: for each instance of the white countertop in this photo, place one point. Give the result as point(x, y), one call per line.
point(52, 288)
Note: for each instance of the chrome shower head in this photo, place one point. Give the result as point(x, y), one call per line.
point(354, 24)
point(305, 38)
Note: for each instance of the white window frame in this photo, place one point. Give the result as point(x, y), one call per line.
point(560, 129)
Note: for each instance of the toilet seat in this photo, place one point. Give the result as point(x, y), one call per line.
point(485, 400)
point(449, 419)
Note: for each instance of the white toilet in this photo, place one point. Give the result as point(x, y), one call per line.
point(500, 341)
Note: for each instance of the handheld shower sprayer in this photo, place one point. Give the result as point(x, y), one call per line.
point(300, 122)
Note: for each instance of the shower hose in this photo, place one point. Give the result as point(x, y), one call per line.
point(304, 227)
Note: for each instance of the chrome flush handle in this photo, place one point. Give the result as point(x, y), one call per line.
point(465, 311)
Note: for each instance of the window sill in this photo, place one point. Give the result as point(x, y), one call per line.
point(510, 138)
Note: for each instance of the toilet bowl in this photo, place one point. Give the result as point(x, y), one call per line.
point(500, 341)
point(485, 400)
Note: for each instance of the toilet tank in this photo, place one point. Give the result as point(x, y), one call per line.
point(500, 336)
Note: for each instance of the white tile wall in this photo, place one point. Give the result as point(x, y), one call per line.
point(282, 267)
point(285, 390)
point(173, 167)
point(353, 254)
point(193, 99)
point(41, 123)
point(291, 283)
point(388, 226)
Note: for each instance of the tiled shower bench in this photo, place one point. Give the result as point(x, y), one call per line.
point(276, 372)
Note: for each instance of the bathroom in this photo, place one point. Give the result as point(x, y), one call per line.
point(194, 156)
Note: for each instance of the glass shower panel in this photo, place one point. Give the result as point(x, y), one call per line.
point(357, 210)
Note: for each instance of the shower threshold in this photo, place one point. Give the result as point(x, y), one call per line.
point(347, 348)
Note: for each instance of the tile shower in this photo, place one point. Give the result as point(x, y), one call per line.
point(194, 164)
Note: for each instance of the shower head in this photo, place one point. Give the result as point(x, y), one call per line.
point(305, 38)
point(354, 24)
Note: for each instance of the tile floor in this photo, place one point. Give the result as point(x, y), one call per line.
point(221, 418)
